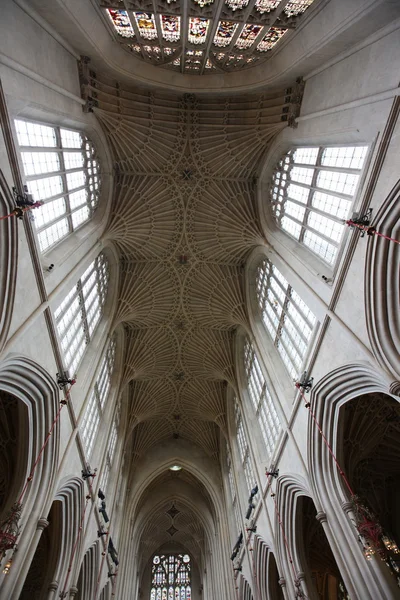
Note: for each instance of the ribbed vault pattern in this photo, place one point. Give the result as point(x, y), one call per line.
point(184, 219)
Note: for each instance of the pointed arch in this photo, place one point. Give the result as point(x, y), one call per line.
point(382, 285)
point(8, 259)
point(328, 396)
point(38, 395)
point(245, 592)
point(88, 574)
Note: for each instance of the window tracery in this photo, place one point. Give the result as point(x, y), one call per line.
point(261, 398)
point(171, 577)
point(312, 192)
point(79, 313)
point(62, 170)
point(288, 320)
point(244, 450)
point(98, 396)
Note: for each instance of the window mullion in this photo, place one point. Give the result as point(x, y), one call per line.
point(83, 311)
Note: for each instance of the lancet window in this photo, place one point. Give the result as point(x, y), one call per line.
point(286, 317)
point(261, 398)
point(171, 577)
point(244, 451)
point(61, 169)
point(312, 193)
point(98, 396)
point(80, 312)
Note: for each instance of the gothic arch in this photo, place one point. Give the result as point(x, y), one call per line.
point(266, 570)
point(8, 259)
point(382, 285)
point(32, 385)
point(88, 574)
point(69, 498)
point(245, 592)
point(328, 396)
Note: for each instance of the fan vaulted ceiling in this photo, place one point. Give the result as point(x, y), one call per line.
point(202, 36)
point(184, 220)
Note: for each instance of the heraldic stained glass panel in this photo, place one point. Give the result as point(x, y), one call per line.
point(171, 577)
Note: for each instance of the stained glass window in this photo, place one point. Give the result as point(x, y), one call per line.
point(248, 36)
point(62, 170)
point(79, 314)
point(312, 194)
point(171, 577)
point(261, 398)
point(266, 5)
point(146, 25)
point(171, 28)
point(224, 33)
point(198, 28)
point(98, 396)
point(272, 37)
point(237, 4)
point(286, 317)
point(297, 7)
point(120, 20)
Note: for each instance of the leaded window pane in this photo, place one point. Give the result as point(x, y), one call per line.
point(259, 392)
point(78, 315)
point(312, 194)
point(62, 170)
point(287, 318)
point(95, 407)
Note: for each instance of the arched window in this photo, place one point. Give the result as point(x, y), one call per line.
point(244, 451)
point(61, 169)
point(170, 577)
point(95, 406)
point(286, 317)
point(261, 398)
point(312, 193)
point(80, 312)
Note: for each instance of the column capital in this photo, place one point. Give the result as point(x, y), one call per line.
point(282, 582)
point(321, 517)
point(42, 524)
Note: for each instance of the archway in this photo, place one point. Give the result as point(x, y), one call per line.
point(369, 445)
point(324, 581)
point(88, 574)
point(14, 435)
point(41, 571)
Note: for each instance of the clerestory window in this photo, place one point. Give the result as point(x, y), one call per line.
point(244, 450)
point(286, 317)
point(312, 193)
point(261, 398)
point(62, 170)
point(79, 314)
point(95, 407)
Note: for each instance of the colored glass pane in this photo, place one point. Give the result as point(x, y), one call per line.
point(146, 25)
point(297, 7)
point(273, 36)
point(120, 20)
point(171, 28)
point(237, 4)
point(248, 35)
point(198, 28)
point(224, 33)
point(263, 6)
